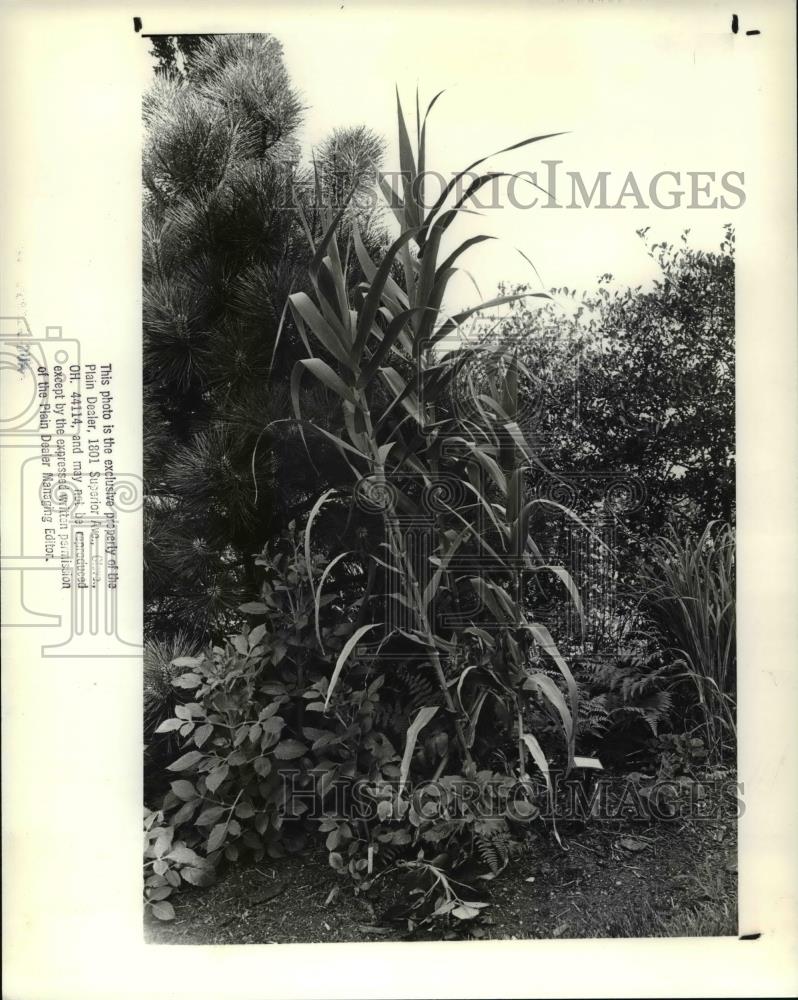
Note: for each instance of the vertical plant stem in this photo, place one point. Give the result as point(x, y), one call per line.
point(397, 543)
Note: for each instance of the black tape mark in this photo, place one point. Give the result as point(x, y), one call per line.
point(137, 24)
point(751, 937)
point(735, 26)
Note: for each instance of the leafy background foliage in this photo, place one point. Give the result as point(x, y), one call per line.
point(671, 349)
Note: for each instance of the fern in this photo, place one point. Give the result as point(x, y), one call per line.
point(408, 690)
point(654, 709)
point(418, 688)
point(492, 841)
point(594, 718)
point(628, 688)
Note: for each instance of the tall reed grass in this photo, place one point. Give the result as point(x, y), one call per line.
point(387, 353)
point(690, 599)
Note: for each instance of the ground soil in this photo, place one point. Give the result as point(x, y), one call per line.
point(615, 879)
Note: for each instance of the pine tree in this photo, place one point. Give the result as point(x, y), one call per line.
point(223, 246)
point(173, 54)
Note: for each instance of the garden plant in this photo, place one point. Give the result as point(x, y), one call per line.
point(319, 686)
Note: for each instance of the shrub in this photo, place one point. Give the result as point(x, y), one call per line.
point(168, 863)
point(160, 700)
point(670, 346)
point(255, 715)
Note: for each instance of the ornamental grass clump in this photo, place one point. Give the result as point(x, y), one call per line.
point(690, 598)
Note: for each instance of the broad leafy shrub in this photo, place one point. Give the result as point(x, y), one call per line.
point(168, 864)
point(670, 345)
point(256, 717)
point(160, 699)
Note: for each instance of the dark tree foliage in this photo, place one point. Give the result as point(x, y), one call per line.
point(173, 54)
point(639, 383)
point(631, 405)
point(223, 247)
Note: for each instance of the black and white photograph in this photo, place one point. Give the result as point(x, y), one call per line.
point(439, 571)
point(400, 489)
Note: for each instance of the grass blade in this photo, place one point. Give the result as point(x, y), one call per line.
point(317, 596)
point(421, 720)
point(343, 656)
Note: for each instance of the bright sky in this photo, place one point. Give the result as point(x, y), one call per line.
point(641, 91)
